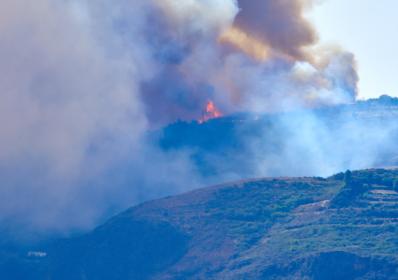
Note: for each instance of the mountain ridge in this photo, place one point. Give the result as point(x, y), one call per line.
point(350, 136)
point(268, 228)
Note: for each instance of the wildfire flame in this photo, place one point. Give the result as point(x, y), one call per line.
point(210, 112)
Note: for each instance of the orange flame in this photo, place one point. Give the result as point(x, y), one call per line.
point(210, 112)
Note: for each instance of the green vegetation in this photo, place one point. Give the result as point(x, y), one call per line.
point(345, 226)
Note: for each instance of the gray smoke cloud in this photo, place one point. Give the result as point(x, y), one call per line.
point(82, 83)
point(281, 23)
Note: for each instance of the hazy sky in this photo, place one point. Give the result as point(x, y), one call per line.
point(369, 29)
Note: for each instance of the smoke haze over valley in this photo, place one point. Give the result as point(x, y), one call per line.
point(105, 104)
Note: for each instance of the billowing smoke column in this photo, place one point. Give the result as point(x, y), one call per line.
point(82, 82)
point(239, 53)
point(279, 24)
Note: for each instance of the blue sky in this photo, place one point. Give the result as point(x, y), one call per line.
point(369, 29)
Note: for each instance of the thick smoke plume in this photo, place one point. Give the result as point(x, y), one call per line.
point(280, 24)
point(82, 83)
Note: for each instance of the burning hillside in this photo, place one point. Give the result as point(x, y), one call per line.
point(210, 112)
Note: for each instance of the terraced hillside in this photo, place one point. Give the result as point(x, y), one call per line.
point(342, 227)
point(352, 235)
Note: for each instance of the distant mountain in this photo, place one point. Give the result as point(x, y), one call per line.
point(342, 227)
point(383, 100)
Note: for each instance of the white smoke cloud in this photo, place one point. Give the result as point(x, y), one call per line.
point(71, 112)
point(207, 17)
point(311, 144)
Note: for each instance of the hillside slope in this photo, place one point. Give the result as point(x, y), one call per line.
point(354, 136)
point(342, 227)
